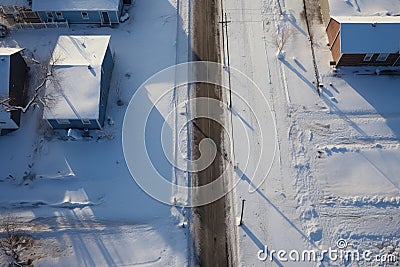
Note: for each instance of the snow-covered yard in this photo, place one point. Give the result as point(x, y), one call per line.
point(313, 170)
point(336, 173)
point(77, 196)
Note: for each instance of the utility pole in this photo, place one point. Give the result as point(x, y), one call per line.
point(225, 24)
point(223, 35)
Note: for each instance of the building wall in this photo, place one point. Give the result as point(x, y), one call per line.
point(397, 62)
point(18, 71)
point(75, 17)
point(107, 69)
point(7, 124)
point(333, 33)
point(332, 30)
point(74, 124)
point(358, 60)
point(335, 49)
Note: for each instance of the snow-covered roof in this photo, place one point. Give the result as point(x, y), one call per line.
point(8, 51)
point(367, 19)
point(77, 75)
point(78, 93)
point(75, 5)
point(364, 7)
point(81, 50)
point(5, 54)
point(369, 34)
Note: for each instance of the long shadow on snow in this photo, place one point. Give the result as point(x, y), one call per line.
point(382, 93)
point(247, 179)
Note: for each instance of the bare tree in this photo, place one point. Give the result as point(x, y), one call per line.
point(14, 242)
point(45, 72)
point(282, 36)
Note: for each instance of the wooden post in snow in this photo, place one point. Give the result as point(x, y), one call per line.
point(241, 214)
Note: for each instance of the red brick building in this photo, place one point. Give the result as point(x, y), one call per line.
point(364, 40)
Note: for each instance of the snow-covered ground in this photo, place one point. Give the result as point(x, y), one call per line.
point(331, 162)
point(77, 195)
point(336, 172)
point(14, 2)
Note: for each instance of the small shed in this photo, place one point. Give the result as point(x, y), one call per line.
point(103, 12)
point(364, 41)
point(80, 86)
point(13, 71)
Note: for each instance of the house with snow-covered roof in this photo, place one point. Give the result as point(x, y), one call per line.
point(13, 70)
point(348, 8)
point(80, 84)
point(103, 12)
point(362, 32)
point(364, 40)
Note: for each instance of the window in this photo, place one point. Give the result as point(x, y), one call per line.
point(3, 122)
point(63, 121)
point(85, 15)
point(59, 15)
point(50, 17)
point(86, 122)
point(368, 57)
point(382, 57)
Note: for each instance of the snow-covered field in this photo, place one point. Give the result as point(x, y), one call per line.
point(336, 173)
point(322, 169)
point(14, 2)
point(76, 195)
